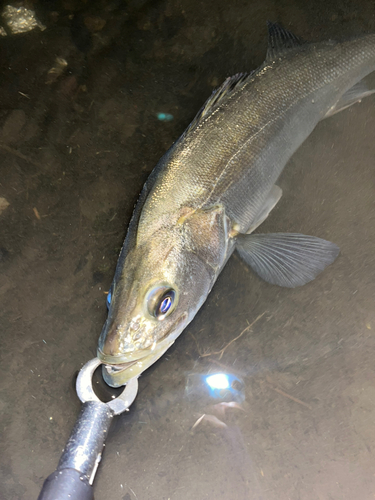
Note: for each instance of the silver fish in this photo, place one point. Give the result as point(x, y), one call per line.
point(215, 185)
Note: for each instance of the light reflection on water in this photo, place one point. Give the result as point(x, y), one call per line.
point(223, 387)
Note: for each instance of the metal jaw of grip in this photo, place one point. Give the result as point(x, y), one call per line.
point(80, 459)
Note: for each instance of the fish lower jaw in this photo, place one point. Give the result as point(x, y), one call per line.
point(113, 369)
point(117, 374)
point(121, 359)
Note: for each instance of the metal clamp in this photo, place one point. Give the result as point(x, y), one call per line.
point(86, 392)
point(82, 454)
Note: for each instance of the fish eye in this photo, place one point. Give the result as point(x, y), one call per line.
point(166, 303)
point(160, 302)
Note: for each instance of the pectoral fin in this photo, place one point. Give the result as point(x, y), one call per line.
point(286, 259)
point(355, 94)
point(272, 199)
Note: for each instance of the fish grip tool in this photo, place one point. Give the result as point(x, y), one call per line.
point(80, 459)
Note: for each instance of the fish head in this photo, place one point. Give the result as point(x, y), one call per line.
point(163, 283)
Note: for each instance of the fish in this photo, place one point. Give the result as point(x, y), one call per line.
point(215, 186)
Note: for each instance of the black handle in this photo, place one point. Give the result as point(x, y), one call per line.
point(80, 459)
point(66, 484)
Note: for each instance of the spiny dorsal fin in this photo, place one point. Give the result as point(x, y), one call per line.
point(218, 96)
point(280, 40)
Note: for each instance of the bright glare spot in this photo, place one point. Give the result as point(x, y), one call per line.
point(218, 381)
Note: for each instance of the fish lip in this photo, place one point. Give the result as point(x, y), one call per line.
point(118, 368)
point(120, 363)
point(109, 359)
point(117, 375)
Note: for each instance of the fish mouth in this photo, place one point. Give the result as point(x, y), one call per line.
point(113, 369)
point(118, 370)
point(118, 374)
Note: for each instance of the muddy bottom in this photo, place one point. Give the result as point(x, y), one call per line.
point(77, 142)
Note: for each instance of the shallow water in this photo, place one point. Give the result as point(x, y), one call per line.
point(74, 153)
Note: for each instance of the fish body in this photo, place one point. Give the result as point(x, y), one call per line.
point(215, 185)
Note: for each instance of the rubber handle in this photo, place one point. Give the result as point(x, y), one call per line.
point(66, 484)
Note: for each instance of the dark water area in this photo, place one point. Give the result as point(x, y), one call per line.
point(76, 146)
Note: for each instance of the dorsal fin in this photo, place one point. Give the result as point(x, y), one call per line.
point(218, 96)
point(280, 40)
